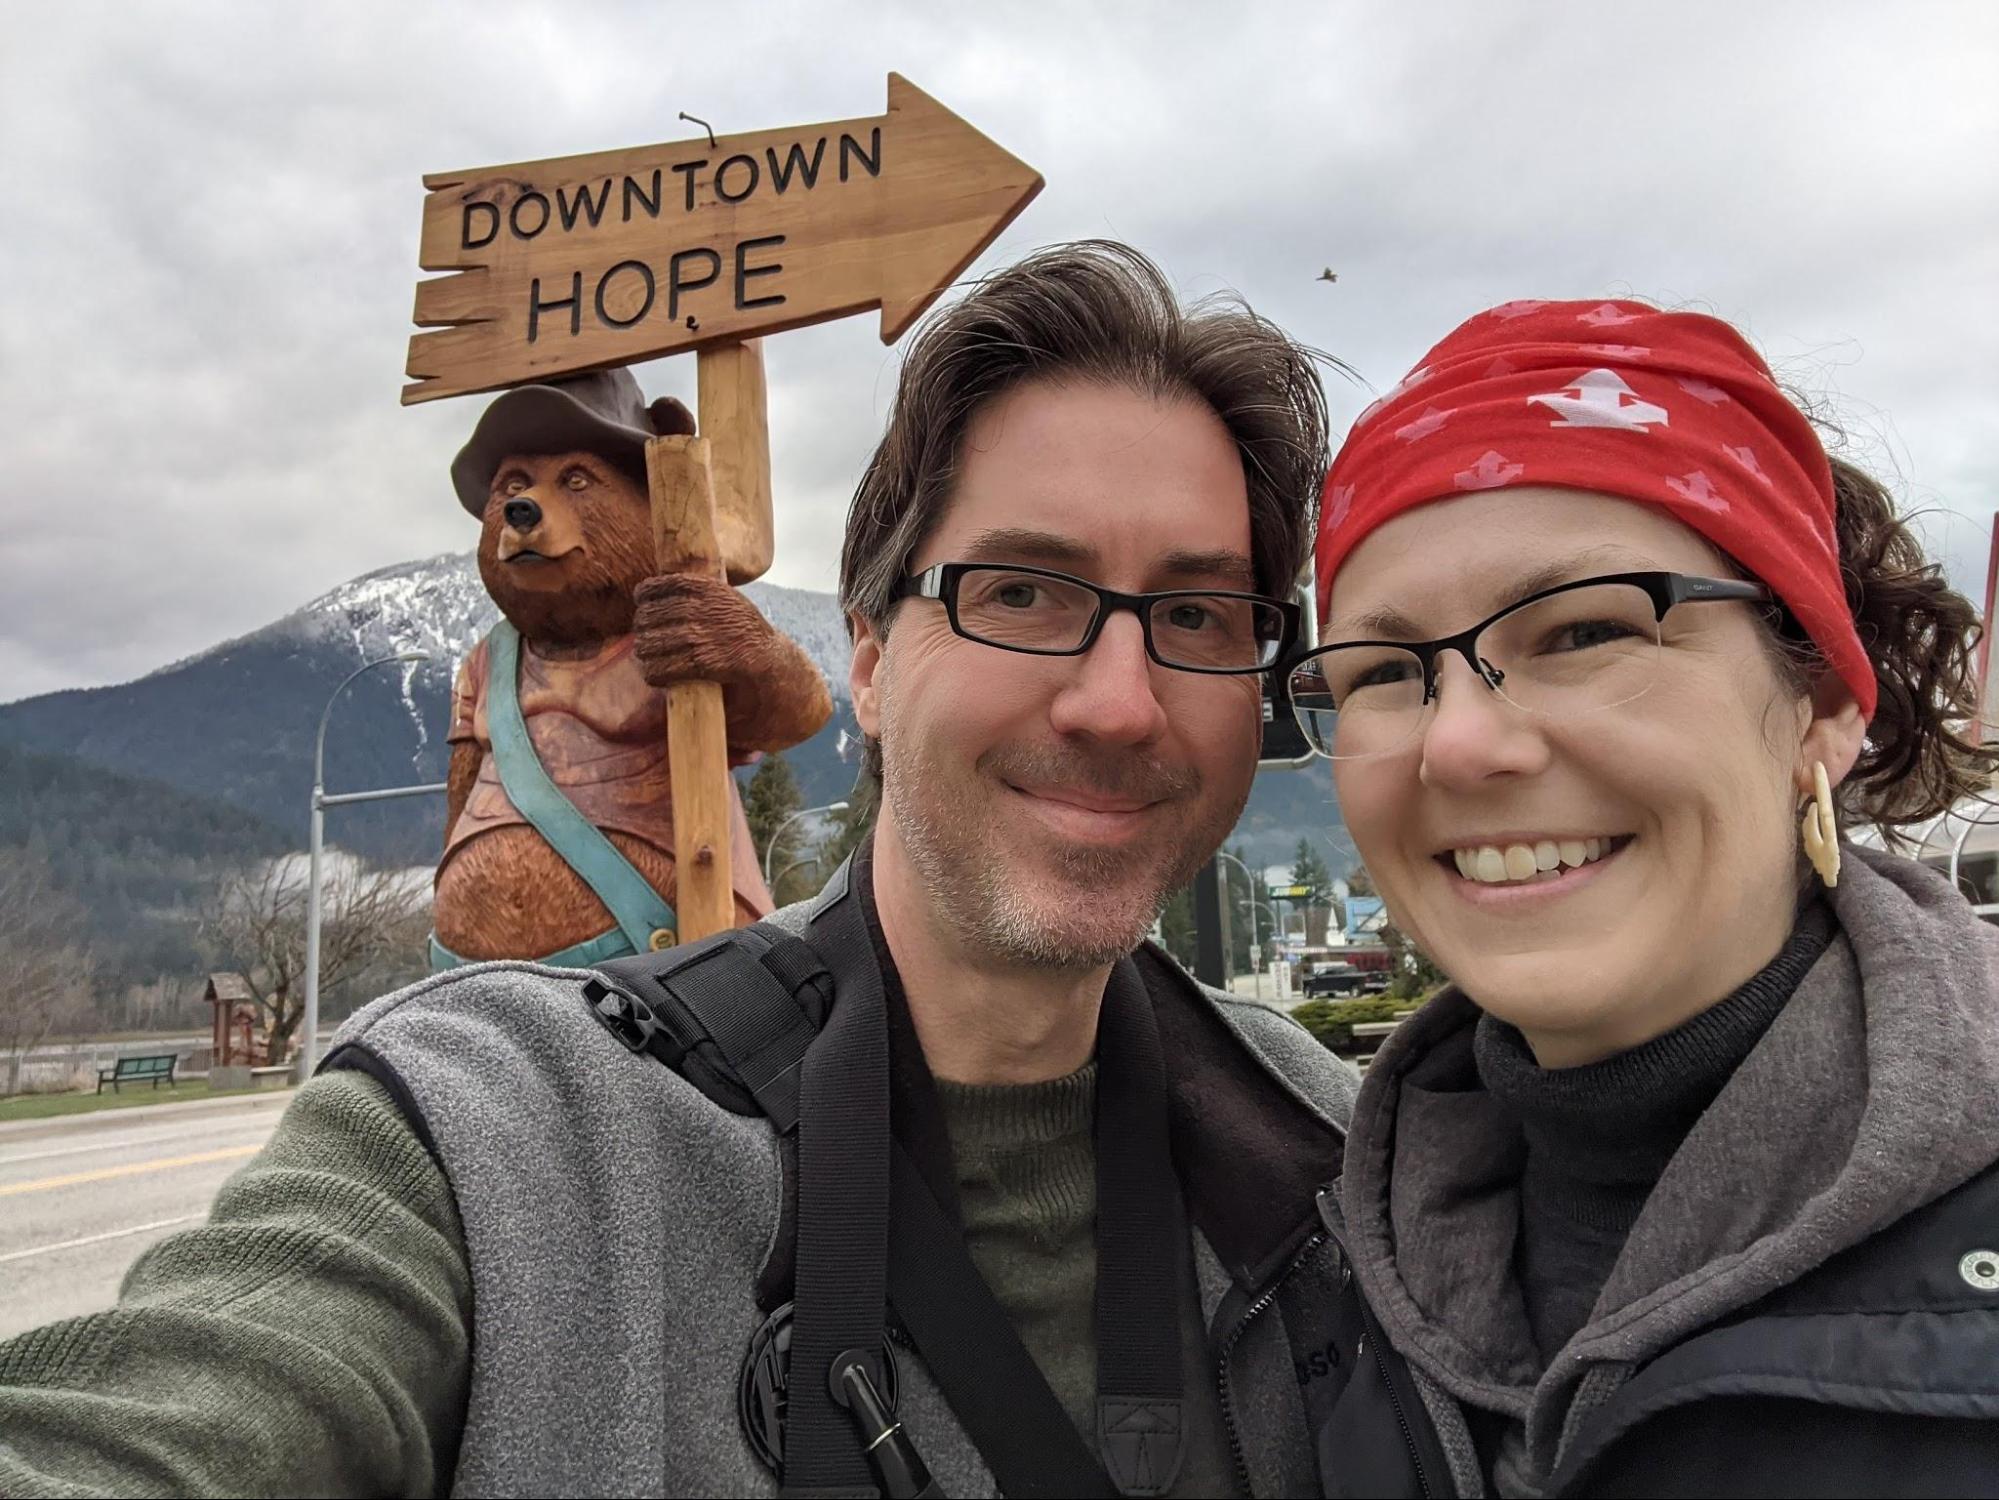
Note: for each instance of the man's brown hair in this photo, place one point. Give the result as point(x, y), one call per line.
point(1100, 312)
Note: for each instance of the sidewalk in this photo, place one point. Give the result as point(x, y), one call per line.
point(189, 1109)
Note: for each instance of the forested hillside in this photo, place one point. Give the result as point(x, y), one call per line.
point(141, 856)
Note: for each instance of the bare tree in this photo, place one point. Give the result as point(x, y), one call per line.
point(166, 1002)
point(256, 923)
point(45, 969)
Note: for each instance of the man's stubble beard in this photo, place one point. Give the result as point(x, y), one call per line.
point(1095, 907)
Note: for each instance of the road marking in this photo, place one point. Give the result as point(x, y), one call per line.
point(122, 1143)
point(125, 1142)
point(93, 1239)
point(154, 1135)
point(131, 1169)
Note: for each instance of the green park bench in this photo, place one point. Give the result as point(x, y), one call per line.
point(137, 1069)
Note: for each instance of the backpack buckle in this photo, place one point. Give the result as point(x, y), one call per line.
point(626, 1017)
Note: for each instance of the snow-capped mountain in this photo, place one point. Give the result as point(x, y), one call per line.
point(438, 607)
point(237, 721)
point(435, 606)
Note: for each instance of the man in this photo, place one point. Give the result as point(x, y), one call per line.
point(491, 1249)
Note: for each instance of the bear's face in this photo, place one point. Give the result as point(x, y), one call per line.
point(566, 538)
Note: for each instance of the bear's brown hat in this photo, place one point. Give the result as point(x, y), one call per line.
point(603, 412)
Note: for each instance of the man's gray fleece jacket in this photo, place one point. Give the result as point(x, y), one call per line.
point(617, 1225)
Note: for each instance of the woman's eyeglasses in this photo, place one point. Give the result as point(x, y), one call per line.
point(1045, 613)
point(1577, 648)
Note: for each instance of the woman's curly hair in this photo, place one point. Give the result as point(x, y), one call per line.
point(1924, 750)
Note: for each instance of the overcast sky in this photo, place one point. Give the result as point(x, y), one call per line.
point(212, 216)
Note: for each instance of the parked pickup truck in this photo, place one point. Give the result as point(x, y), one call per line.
point(1342, 979)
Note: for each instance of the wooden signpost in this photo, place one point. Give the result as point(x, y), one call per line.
point(587, 261)
point(583, 262)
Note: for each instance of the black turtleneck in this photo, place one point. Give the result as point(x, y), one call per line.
point(1599, 1136)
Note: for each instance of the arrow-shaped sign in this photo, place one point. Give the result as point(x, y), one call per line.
point(581, 262)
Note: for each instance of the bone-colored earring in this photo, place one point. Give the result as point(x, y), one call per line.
point(1821, 830)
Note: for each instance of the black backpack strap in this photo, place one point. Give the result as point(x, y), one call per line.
point(994, 1388)
point(734, 1014)
point(739, 1015)
point(1141, 1249)
point(840, 1285)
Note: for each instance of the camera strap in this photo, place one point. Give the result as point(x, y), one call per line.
point(873, 1234)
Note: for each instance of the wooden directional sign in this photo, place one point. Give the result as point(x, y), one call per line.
point(580, 262)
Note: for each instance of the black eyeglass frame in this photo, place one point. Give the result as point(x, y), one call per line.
point(940, 582)
point(1666, 591)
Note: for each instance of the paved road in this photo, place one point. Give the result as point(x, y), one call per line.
point(81, 1197)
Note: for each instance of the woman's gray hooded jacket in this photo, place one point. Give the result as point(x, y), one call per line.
point(1808, 1303)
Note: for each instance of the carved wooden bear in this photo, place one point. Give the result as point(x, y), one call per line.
point(556, 474)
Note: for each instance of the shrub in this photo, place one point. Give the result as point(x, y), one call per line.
point(1332, 1021)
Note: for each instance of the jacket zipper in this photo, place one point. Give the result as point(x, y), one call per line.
point(1380, 1363)
point(1401, 1417)
point(1250, 1313)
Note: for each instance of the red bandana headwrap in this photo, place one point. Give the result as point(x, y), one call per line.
point(1665, 408)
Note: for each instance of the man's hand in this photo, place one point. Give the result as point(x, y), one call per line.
point(694, 629)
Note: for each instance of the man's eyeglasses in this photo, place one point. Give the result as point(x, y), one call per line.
point(1045, 613)
point(1573, 649)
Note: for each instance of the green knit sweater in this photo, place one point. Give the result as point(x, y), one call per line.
point(311, 1338)
point(1026, 1165)
point(314, 1336)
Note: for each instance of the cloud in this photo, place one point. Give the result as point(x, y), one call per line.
point(214, 212)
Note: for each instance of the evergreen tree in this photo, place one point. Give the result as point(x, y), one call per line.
point(771, 797)
point(1310, 871)
point(1414, 976)
point(783, 847)
point(845, 830)
point(1176, 927)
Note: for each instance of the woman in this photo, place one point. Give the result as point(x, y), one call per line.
point(1689, 1182)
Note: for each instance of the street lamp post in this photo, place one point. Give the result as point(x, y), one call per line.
point(308, 1055)
point(796, 864)
point(1276, 930)
point(1255, 943)
point(778, 835)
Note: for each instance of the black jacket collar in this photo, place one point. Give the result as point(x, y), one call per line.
point(1251, 1157)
